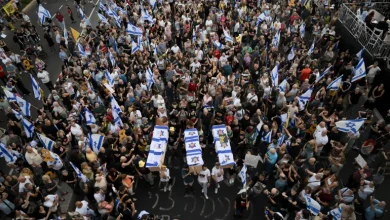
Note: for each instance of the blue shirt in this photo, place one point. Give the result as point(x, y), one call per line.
point(273, 158)
point(371, 214)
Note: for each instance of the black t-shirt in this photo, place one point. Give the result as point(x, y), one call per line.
point(355, 98)
point(240, 202)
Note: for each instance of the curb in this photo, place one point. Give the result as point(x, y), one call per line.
point(33, 2)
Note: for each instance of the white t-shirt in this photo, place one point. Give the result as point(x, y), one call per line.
point(76, 130)
point(194, 66)
point(99, 197)
point(203, 176)
point(321, 140)
point(21, 185)
point(84, 210)
point(319, 129)
point(217, 173)
point(175, 49)
point(313, 182)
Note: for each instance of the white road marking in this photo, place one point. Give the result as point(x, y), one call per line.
point(228, 212)
point(156, 202)
point(204, 205)
point(194, 206)
point(55, 13)
point(170, 198)
point(212, 201)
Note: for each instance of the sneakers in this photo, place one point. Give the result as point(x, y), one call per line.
point(355, 147)
point(216, 190)
point(165, 189)
point(218, 186)
point(206, 196)
point(169, 188)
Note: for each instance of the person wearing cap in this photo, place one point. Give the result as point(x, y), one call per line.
point(144, 172)
point(204, 179)
point(241, 204)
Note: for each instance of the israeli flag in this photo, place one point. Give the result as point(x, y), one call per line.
point(152, 3)
point(350, 125)
point(102, 7)
point(10, 96)
point(109, 78)
point(304, 99)
point(24, 106)
point(103, 19)
point(147, 17)
point(193, 36)
point(89, 118)
point(360, 54)
point(117, 119)
point(96, 142)
point(291, 55)
point(323, 74)
point(312, 205)
point(242, 175)
point(218, 45)
point(268, 137)
point(260, 19)
point(28, 127)
point(227, 36)
point(311, 49)
point(149, 78)
point(283, 85)
point(79, 173)
point(65, 34)
point(36, 88)
point(112, 59)
point(46, 142)
point(275, 75)
point(114, 105)
point(134, 47)
point(336, 213)
point(43, 13)
point(8, 156)
point(17, 115)
point(360, 71)
point(139, 43)
point(133, 30)
point(115, 47)
point(276, 39)
point(81, 50)
point(335, 85)
point(81, 12)
point(302, 30)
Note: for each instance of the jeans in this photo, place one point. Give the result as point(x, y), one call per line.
point(204, 187)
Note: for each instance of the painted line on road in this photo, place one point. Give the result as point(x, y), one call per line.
point(194, 206)
point(156, 202)
point(11, 171)
point(212, 212)
point(227, 213)
point(204, 206)
point(56, 12)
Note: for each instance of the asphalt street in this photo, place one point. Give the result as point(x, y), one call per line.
point(169, 205)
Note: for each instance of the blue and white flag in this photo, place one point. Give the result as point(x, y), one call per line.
point(102, 7)
point(227, 36)
point(103, 19)
point(291, 55)
point(268, 137)
point(360, 54)
point(28, 127)
point(7, 154)
point(43, 13)
point(96, 142)
point(65, 33)
point(112, 58)
point(360, 71)
point(218, 45)
point(193, 147)
point(283, 85)
point(46, 142)
point(36, 88)
point(153, 3)
point(114, 105)
point(109, 78)
point(24, 106)
point(336, 213)
point(193, 36)
point(311, 49)
point(10, 96)
point(81, 12)
point(79, 173)
point(139, 43)
point(133, 30)
point(117, 119)
point(149, 78)
point(147, 17)
point(242, 175)
point(276, 39)
point(260, 19)
point(304, 99)
point(134, 47)
point(281, 139)
point(302, 30)
point(312, 205)
point(81, 50)
point(89, 118)
point(115, 47)
point(350, 125)
point(323, 74)
point(335, 85)
point(275, 75)
point(17, 114)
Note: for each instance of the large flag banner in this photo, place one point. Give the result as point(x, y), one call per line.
point(350, 125)
point(46, 142)
point(227, 36)
point(17, 114)
point(158, 147)
point(360, 71)
point(7, 154)
point(283, 85)
point(242, 175)
point(304, 99)
point(323, 74)
point(96, 142)
point(275, 75)
point(133, 30)
point(36, 88)
point(268, 137)
point(89, 118)
point(28, 127)
point(222, 145)
point(312, 205)
point(79, 173)
point(336, 213)
point(24, 106)
point(335, 85)
point(114, 105)
point(10, 96)
point(43, 14)
point(193, 148)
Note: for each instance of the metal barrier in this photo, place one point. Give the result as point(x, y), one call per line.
point(371, 40)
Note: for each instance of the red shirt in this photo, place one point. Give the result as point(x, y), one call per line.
point(60, 18)
point(305, 74)
point(69, 11)
point(192, 87)
point(229, 119)
point(217, 54)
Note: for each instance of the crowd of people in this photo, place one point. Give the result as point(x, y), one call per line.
point(192, 64)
